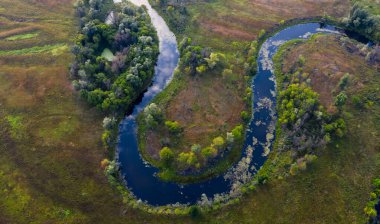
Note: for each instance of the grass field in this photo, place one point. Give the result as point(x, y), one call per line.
point(50, 148)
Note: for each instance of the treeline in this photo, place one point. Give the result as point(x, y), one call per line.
point(370, 209)
point(362, 21)
point(115, 53)
point(196, 60)
point(175, 11)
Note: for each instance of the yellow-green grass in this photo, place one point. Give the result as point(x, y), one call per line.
point(54, 49)
point(22, 36)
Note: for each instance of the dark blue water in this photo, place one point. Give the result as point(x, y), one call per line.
point(140, 177)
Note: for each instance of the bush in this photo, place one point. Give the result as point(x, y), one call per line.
point(245, 116)
point(194, 211)
point(218, 143)
point(340, 99)
point(107, 139)
point(344, 81)
point(196, 148)
point(109, 123)
point(166, 155)
point(237, 133)
point(173, 127)
point(209, 152)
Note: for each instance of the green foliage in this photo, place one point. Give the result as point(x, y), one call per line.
point(344, 81)
point(245, 116)
point(196, 148)
point(22, 36)
point(187, 159)
point(17, 128)
point(218, 143)
point(340, 99)
point(295, 102)
point(166, 155)
point(114, 62)
point(173, 127)
point(216, 60)
point(370, 209)
point(153, 115)
point(301, 60)
point(107, 139)
point(198, 60)
point(194, 211)
point(32, 50)
point(209, 152)
point(363, 22)
point(238, 133)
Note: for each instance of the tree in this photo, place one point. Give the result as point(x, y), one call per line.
point(218, 143)
point(153, 115)
point(344, 81)
point(109, 123)
point(215, 60)
point(237, 132)
point(209, 152)
point(196, 148)
point(173, 127)
point(245, 116)
point(166, 155)
point(187, 159)
point(340, 99)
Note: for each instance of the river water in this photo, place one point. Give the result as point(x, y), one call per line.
point(140, 176)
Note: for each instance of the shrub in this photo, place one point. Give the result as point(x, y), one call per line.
point(173, 127)
point(166, 155)
point(340, 99)
point(218, 142)
point(344, 81)
point(196, 148)
point(245, 116)
point(194, 211)
point(237, 132)
point(107, 139)
point(109, 123)
point(209, 152)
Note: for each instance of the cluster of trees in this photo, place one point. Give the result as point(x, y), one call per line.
point(197, 60)
point(198, 156)
point(363, 22)
point(176, 12)
point(251, 65)
point(113, 85)
point(304, 119)
point(370, 209)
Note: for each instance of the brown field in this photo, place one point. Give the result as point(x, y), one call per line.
point(206, 107)
point(242, 20)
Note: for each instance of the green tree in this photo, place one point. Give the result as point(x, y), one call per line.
point(340, 99)
point(166, 155)
point(173, 127)
point(218, 143)
point(209, 152)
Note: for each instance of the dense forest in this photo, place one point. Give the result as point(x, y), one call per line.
point(115, 52)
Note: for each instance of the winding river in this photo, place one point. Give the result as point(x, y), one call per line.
point(140, 176)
